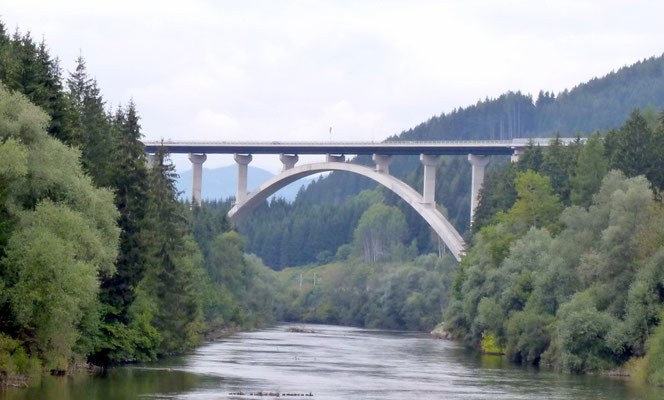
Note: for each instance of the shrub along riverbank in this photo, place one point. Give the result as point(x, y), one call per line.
point(567, 264)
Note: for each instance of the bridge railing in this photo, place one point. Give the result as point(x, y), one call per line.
point(507, 142)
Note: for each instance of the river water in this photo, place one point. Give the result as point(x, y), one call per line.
point(333, 363)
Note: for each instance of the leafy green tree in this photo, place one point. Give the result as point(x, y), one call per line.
point(379, 229)
point(528, 336)
point(65, 238)
point(536, 205)
point(579, 343)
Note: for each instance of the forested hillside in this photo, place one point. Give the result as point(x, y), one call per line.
point(566, 266)
point(99, 261)
point(598, 104)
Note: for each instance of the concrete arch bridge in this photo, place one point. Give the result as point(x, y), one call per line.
point(478, 153)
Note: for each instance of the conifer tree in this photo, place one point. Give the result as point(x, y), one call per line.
point(592, 165)
point(91, 126)
point(130, 182)
point(175, 263)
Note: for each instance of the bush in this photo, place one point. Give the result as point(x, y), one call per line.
point(14, 360)
point(528, 336)
point(655, 356)
point(489, 345)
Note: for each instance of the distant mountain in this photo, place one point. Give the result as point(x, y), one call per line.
point(221, 183)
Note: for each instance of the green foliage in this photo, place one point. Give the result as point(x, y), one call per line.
point(591, 167)
point(379, 229)
point(528, 336)
point(497, 194)
point(638, 149)
point(584, 299)
point(104, 275)
point(654, 364)
point(489, 345)
point(284, 234)
point(580, 337)
point(26, 67)
point(14, 360)
point(536, 205)
point(63, 239)
point(557, 164)
point(394, 296)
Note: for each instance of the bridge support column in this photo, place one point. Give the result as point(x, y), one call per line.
point(429, 182)
point(242, 161)
point(335, 158)
point(478, 163)
point(197, 161)
point(382, 163)
point(151, 159)
point(515, 155)
point(288, 161)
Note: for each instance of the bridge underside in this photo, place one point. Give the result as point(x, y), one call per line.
point(427, 210)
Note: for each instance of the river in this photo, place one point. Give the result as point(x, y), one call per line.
point(332, 362)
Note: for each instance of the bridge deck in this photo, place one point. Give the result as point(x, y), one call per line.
point(479, 147)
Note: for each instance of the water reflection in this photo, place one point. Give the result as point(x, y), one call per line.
point(333, 363)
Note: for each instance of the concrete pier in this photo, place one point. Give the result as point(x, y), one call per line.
point(151, 159)
point(197, 161)
point(515, 156)
point(382, 163)
point(288, 161)
point(478, 163)
point(242, 161)
point(335, 158)
point(429, 181)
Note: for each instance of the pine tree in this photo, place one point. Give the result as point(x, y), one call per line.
point(557, 163)
point(174, 264)
point(91, 126)
point(130, 182)
point(592, 165)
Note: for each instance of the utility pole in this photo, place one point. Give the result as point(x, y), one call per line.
point(300, 281)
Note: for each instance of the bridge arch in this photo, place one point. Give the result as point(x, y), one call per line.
point(428, 211)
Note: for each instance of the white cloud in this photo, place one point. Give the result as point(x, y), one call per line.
point(215, 126)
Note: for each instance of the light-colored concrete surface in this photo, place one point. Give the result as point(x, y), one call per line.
point(429, 181)
point(382, 163)
point(197, 161)
point(478, 163)
point(242, 161)
point(288, 161)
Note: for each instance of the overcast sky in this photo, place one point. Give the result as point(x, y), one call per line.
point(288, 70)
